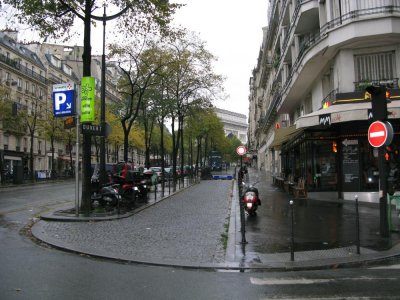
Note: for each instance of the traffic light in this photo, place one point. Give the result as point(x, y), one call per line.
point(379, 102)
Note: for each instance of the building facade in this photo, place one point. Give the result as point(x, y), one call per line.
point(309, 110)
point(24, 90)
point(234, 124)
point(27, 75)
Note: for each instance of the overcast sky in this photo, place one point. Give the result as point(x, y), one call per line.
point(232, 30)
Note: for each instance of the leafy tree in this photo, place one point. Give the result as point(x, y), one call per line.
point(12, 123)
point(139, 68)
point(57, 18)
point(206, 128)
point(53, 130)
point(190, 81)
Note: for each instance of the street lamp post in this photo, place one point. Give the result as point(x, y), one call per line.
point(103, 104)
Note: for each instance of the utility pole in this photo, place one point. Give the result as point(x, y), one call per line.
point(103, 105)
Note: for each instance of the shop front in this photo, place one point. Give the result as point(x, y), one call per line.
point(333, 154)
point(13, 165)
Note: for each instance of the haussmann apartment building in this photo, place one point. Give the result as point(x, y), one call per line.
point(309, 111)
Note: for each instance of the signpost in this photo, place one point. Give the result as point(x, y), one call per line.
point(64, 99)
point(241, 150)
point(64, 106)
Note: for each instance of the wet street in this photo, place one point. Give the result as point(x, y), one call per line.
point(318, 224)
point(36, 271)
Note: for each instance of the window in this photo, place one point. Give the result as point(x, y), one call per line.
point(19, 83)
point(5, 141)
point(18, 146)
point(375, 66)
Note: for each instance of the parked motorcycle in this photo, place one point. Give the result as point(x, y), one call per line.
point(133, 186)
point(105, 195)
point(251, 199)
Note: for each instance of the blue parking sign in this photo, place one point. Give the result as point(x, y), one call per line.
point(64, 99)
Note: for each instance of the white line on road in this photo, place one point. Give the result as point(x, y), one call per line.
point(393, 267)
point(294, 281)
point(279, 281)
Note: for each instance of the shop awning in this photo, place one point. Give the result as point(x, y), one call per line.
point(344, 113)
point(283, 135)
point(9, 157)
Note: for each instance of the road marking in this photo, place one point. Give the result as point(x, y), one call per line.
point(279, 281)
point(299, 281)
point(329, 298)
point(393, 267)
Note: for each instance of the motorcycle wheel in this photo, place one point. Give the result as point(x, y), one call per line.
point(129, 195)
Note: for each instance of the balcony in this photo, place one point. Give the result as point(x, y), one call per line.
point(388, 83)
point(16, 65)
point(308, 16)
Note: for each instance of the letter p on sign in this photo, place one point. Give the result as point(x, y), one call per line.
point(59, 98)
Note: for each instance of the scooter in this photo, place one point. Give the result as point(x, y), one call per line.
point(104, 195)
point(107, 195)
point(133, 190)
point(251, 200)
point(133, 186)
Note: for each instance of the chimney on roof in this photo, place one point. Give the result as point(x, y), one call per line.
point(12, 33)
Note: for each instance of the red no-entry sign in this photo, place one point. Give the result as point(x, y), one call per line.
point(380, 133)
point(241, 150)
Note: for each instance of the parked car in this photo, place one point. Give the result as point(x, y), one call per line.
point(158, 171)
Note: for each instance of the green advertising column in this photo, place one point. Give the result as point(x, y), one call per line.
point(87, 99)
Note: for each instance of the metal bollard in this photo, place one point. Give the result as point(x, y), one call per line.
point(292, 231)
point(357, 226)
point(242, 220)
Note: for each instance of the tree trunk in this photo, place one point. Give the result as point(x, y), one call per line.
point(31, 159)
point(174, 153)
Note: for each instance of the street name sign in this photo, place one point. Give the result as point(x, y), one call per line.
point(380, 133)
point(64, 99)
point(91, 129)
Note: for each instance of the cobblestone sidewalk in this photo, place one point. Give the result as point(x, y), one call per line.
point(184, 229)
